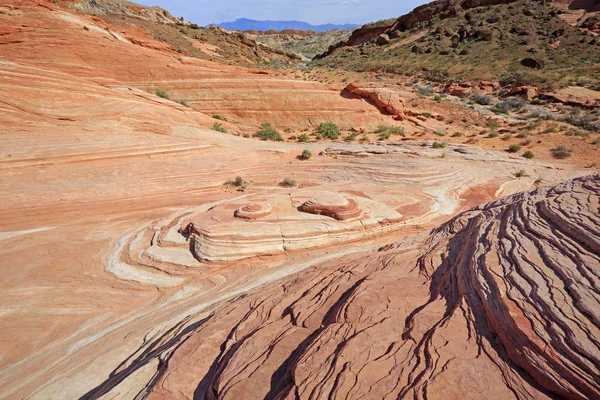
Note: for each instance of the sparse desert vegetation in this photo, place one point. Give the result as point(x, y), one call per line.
point(219, 127)
point(287, 183)
point(267, 132)
point(328, 130)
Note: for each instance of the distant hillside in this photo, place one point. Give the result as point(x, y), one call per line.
point(302, 43)
point(528, 42)
point(244, 24)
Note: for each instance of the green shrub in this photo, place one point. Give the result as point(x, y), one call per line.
point(303, 138)
point(217, 116)
point(427, 115)
point(440, 133)
point(493, 124)
point(391, 129)
point(238, 182)
point(596, 141)
point(522, 135)
point(439, 145)
point(528, 155)
point(219, 127)
point(561, 152)
point(288, 182)
point(456, 134)
point(351, 137)
point(493, 134)
point(384, 135)
point(328, 130)
point(437, 98)
point(482, 99)
point(266, 132)
point(514, 148)
point(306, 154)
point(162, 94)
point(520, 173)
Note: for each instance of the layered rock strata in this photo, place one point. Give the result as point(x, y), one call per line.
point(501, 302)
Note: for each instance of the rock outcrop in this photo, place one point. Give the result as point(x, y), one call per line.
point(501, 302)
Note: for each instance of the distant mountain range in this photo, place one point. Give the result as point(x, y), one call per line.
point(244, 24)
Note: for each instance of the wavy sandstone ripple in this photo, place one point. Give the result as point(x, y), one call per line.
point(500, 302)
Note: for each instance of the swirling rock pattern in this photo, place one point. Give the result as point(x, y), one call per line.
point(500, 302)
point(254, 211)
point(333, 205)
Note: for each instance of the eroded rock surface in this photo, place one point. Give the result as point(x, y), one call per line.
point(501, 302)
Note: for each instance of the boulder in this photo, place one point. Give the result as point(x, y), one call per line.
point(533, 62)
point(528, 91)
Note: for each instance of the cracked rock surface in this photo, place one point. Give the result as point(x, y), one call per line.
point(500, 302)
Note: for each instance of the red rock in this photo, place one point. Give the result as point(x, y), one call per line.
point(384, 98)
point(530, 92)
point(490, 303)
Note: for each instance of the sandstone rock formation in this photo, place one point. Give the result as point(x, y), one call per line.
point(131, 271)
point(209, 87)
point(500, 302)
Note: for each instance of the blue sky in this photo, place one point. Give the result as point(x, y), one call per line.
point(316, 12)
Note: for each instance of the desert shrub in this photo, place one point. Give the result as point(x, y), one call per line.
point(303, 138)
point(528, 155)
point(482, 99)
point(439, 133)
point(238, 182)
point(493, 134)
point(219, 127)
point(515, 104)
point(439, 145)
point(514, 148)
point(306, 154)
point(522, 135)
point(328, 130)
point(217, 116)
point(596, 141)
point(437, 98)
point(183, 103)
point(162, 94)
point(521, 78)
point(543, 114)
point(501, 108)
point(586, 122)
point(391, 129)
point(425, 91)
point(427, 115)
point(287, 182)
point(492, 123)
point(384, 135)
point(521, 173)
point(561, 152)
point(506, 136)
point(351, 137)
point(267, 132)
point(364, 138)
point(456, 134)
